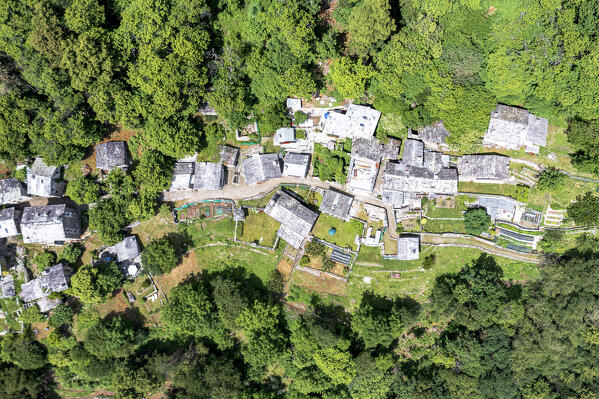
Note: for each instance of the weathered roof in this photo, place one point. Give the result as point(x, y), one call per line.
point(209, 176)
point(229, 155)
point(413, 153)
point(261, 167)
point(182, 174)
point(54, 279)
point(484, 167)
point(292, 237)
point(435, 133)
point(111, 155)
point(7, 287)
point(295, 164)
point(40, 178)
point(358, 122)
point(398, 177)
point(291, 213)
point(537, 130)
point(50, 223)
point(11, 190)
point(127, 249)
point(9, 224)
point(512, 127)
point(408, 247)
point(433, 161)
point(495, 206)
point(390, 150)
point(336, 203)
point(284, 135)
point(366, 148)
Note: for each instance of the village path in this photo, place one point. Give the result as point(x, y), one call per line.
point(245, 191)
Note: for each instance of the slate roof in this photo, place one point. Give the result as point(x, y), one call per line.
point(9, 222)
point(182, 175)
point(512, 127)
point(336, 203)
point(296, 218)
point(433, 161)
point(261, 167)
point(54, 279)
point(408, 247)
point(412, 179)
point(484, 167)
point(229, 155)
point(127, 249)
point(209, 176)
point(435, 133)
point(284, 135)
point(112, 154)
point(358, 122)
point(49, 224)
point(41, 178)
point(11, 191)
point(7, 287)
point(413, 153)
point(295, 164)
point(367, 148)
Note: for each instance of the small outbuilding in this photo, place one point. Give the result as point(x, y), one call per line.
point(112, 154)
point(229, 156)
point(284, 135)
point(54, 279)
point(182, 176)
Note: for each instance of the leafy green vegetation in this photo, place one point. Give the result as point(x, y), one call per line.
point(260, 228)
point(476, 221)
point(345, 233)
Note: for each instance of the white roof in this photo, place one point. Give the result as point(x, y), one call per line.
point(358, 122)
point(284, 135)
point(512, 127)
point(40, 178)
point(408, 248)
point(8, 225)
point(294, 104)
point(295, 164)
point(11, 190)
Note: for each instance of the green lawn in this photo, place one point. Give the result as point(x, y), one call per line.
point(433, 211)
point(444, 226)
point(561, 196)
point(260, 228)
point(211, 231)
point(222, 257)
point(418, 284)
point(259, 202)
point(487, 188)
point(344, 237)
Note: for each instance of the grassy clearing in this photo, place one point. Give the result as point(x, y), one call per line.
point(259, 202)
point(344, 237)
point(434, 210)
point(261, 229)
point(444, 226)
point(487, 188)
point(560, 197)
point(314, 198)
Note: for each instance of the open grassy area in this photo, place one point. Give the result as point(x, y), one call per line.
point(344, 237)
point(259, 202)
point(487, 188)
point(260, 228)
point(559, 197)
point(435, 210)
point(444, 226)
point(413, 282)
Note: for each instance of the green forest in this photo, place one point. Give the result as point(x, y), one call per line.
point(74, 71)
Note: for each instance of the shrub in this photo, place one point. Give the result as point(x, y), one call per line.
point(356, 226)
point(550, 178)
point(300, 117)
point(32, 315)
point(61, 315)
point(159, 256)
point(476, 221)
point(83, 190)
point(551, 240)
point(429, 262)
point(44, 260)
point(71, 253)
